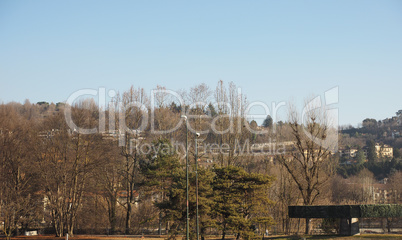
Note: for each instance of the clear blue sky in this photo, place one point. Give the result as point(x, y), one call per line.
point(273, 50)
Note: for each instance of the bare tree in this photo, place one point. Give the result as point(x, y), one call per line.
point(164, 118)
point(357, 189)
point(228, 126)
point(16, 171)
point(199, 98)
point(309, 163)
point(283, 189)
point(109, 180)
point(131, 114)
point(66, 159)
point(395, 187)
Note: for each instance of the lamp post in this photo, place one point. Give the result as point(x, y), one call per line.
point(187, 217)
point(196, 183)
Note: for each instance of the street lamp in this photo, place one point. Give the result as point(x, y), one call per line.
point(187, 217)
point(196, 182)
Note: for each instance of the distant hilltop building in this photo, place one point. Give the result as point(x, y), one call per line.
point(384, 150)
point(349, 153)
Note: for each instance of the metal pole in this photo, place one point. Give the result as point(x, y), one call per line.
point(196, 184)
point(187, 216)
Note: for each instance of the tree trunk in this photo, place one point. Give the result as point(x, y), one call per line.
point(128, 217)
point(389, 225)
point(70, 223)
point(287, 225)
point(112, 215)
point(307, 231)
point(160, 223)
point(71, 230)
point(58, 223)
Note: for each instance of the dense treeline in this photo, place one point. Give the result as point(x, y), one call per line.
point(129, 175)
point(59, 178)
point(387, 131)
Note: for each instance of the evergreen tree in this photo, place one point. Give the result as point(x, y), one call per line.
point(371, 151)
point(238, 199)
point(211, 110)
point(360, 158)
point(267, 122)
point(205, 201)
point(164, 180)
point(396, 153)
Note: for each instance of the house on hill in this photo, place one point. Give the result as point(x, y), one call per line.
point(384, 150)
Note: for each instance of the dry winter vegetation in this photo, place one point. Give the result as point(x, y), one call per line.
point(128, 175)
